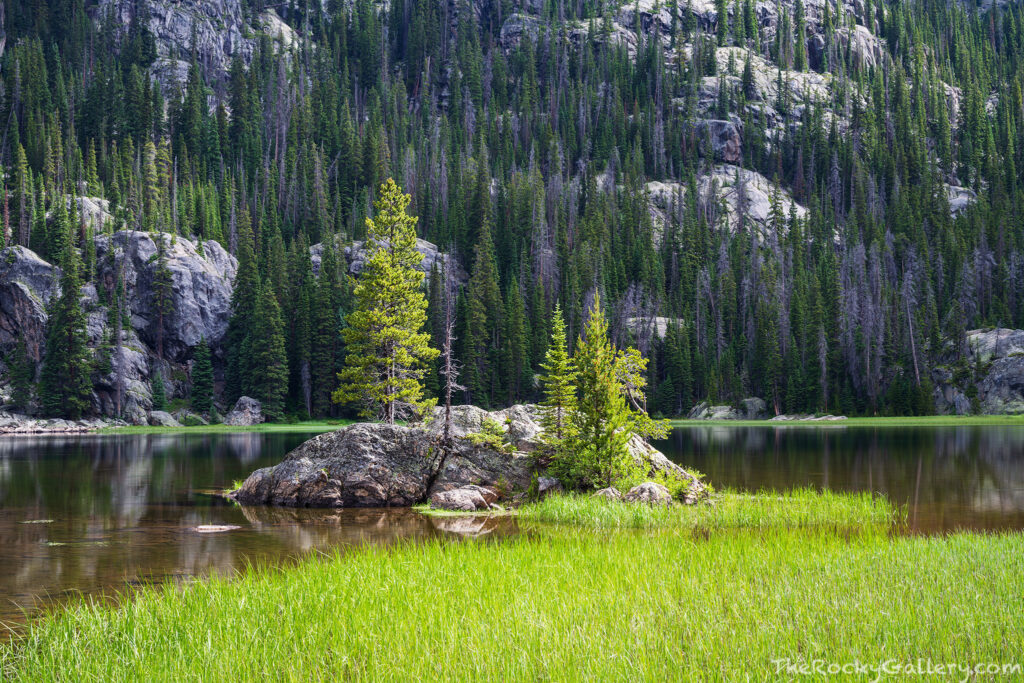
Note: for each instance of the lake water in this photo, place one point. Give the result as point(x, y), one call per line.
point(91, 514)
point(949, 478)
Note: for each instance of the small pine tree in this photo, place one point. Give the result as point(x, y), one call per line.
point(386, 350)
point(159, 393)
point(603, 420)
point(559, 384)
point(202, 379)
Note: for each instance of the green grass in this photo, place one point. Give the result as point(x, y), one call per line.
point(567, 603)
point(802, 508)
point(920, 421)
point(307, 426)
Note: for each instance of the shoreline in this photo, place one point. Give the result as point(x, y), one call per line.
point(887, 421)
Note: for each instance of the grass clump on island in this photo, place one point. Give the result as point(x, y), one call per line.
point(566, 603)
point(797, 509)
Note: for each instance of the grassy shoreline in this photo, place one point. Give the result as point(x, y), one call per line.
point(329, 425)
point(577, 600)
point(918, 421)
point(307, 426)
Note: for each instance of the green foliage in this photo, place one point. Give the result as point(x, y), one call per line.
point(22, 372)
point(65, 386)
point(491, 435)
point(159, 392)
point(600, 456)
point(270, 382)
point(652, 603)
point(558, 417)
point(386, 351)
point(202, 379)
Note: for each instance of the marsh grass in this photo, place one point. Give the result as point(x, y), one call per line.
point(273, 427)
point(572, 603)
point(796, 509)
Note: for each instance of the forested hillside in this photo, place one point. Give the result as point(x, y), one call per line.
point(810, 202)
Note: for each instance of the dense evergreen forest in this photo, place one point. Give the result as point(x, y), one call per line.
point(810, 203)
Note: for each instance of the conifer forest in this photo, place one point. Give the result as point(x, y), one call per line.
point(814, 202)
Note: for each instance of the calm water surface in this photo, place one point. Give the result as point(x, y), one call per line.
point(95, 513)
point(92, 514)
point(949, 478)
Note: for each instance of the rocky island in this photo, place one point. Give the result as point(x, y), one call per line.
point(381, 465)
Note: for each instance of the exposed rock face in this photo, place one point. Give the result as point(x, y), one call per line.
point(1001, 389)
point(705, 411)
point(362, 465)
point(202, 276)
point(517, 26)
point(218, 28)
point(746, 195)
point(866, 49)
point(247, 412)
point(27, 283)
point(754, 408)
point(15, 423)
point(722, 138)
point(610, 493)
point(548, 485)
point(356, 255)
point(960, 198)
point(94, 211)
point(467, 498)
point(161, 418)
point(650, 493)
point(375, 465)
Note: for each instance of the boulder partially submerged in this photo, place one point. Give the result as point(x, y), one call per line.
point(380, 465)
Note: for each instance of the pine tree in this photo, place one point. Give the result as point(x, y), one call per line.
point(244, 299)
point(159, 393)
point(163, 292)
point(559, 385)
point(386, 350)
point(22, 373)
point(270, 378)
point(202, 379)
point(602, 420)
point(65, 384)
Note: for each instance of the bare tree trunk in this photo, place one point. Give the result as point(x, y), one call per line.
point(913, 345)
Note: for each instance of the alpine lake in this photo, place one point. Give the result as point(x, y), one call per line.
point(98, 515)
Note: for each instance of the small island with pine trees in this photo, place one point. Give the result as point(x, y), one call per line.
point(588, 434)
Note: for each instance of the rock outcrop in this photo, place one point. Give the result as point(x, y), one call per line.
point(15, 423)
point(466, 498)
point(202, 274)
point(27, 283)
point(377, 465)
point(246, 413)
point(722, 139)
point(999, 352)
point(650, 493)
point(355, 258)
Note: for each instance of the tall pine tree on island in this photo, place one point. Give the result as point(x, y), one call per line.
point(559, 384)
point(65, 385)
point(386, 350)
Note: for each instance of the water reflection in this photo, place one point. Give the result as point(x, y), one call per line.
point(87, 514)
point(949, 477)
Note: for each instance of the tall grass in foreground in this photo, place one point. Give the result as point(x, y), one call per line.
point(571, 604)
point(800, 508)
